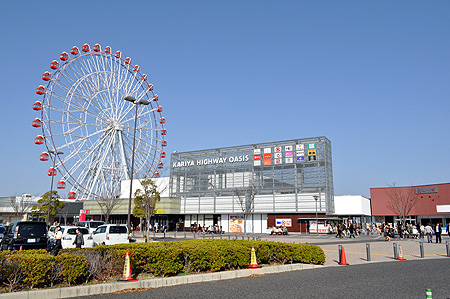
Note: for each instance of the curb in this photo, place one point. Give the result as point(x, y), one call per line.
point(70, 292)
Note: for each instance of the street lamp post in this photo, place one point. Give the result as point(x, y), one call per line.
point(55, 154)
point(140, 102)
point(317, 220)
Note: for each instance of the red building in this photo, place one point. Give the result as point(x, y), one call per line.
point(430, 200)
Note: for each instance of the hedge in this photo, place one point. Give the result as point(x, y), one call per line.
point(36, 268)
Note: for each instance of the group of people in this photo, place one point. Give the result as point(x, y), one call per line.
point(413, 231)
point(57, 246)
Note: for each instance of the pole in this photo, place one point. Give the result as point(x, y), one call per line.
point(132, 169)
point(51, 192)
point(368, 252)
point(317, 219)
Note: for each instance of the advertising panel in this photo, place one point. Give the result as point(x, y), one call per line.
point(256, 157)
point(267, 150)
point(288, 154)
point(277, 161)
point(288, 148)
point(257, 151)
point(277, 149)
point(311, 146)
point(284, 222)
point(312, 158)
point(278, 155)
point(300, 153)
point(313, 226)
point(300, 159)
point(267, 162)
point(267, 156)
point(300, 147)
point(256, 163)
point(289, 160)
point(311, 152)
point(236, 224)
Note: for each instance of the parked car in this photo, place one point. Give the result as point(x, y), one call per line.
point(110, 234)
point(28, 234)
point(68, 236)
point(2, 230)
point(90, 225)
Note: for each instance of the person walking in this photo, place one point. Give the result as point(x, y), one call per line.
point(352, 231)
point(57, 239)
point(79, 240)
point(429, 233)
point(438, 232)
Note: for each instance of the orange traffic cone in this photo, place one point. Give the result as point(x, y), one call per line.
point(20, 249)
point(343, 259)
point(127, 270)
point(253, 262)
point(400, 254)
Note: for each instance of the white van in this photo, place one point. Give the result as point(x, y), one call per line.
point(110, 234)
point(90, 225)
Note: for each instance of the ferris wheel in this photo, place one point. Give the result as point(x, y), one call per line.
point(84, 114)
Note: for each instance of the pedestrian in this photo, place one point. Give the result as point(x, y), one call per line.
point(438, 231)
point(57, 239)
point(429, 233)
point(448, 232)
point(79, 240)
point(352, 231)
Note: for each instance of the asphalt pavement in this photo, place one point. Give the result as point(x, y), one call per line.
point(373, 280)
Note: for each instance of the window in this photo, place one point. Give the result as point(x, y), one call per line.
point(118, 230)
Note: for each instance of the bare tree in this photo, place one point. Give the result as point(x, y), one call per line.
point(108, 204)
point(21, 204)
point(245, 198)
point(401, 201)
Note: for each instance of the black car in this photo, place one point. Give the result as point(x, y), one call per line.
point(28, 234)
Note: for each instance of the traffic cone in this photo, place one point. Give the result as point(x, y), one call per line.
point(343, 259)
point(253, 262)
point(400, 254)
point(127, 270)
point(20, 249)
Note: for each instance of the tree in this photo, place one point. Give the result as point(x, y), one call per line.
point(401, 201)
point(246, 201)
point(145, 201)
point(21, 204)
point(108, 204)
point(41, 208)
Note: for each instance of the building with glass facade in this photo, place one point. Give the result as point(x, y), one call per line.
point(280, 183)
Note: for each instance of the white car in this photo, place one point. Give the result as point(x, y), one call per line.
point(110, 234)
point(90, 225)
point(68, 236)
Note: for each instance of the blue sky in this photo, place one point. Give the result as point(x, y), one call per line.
point(371, 76)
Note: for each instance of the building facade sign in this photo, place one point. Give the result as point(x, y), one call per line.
point(426, 190)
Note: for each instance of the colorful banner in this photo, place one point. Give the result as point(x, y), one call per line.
point(236, 224)
point(300, 147)
point(267, 162)
point(277, 149)
point(278, 155)
point(277, 161)
point(284, 222)
point(311, 146)
point(288, 154)
point(289, 160)
point(256, 163)
point(300, 159)
point(256, 157)
point(257, 151)
point(288, 148)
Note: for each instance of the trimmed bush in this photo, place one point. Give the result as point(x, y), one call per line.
point(37, 268)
